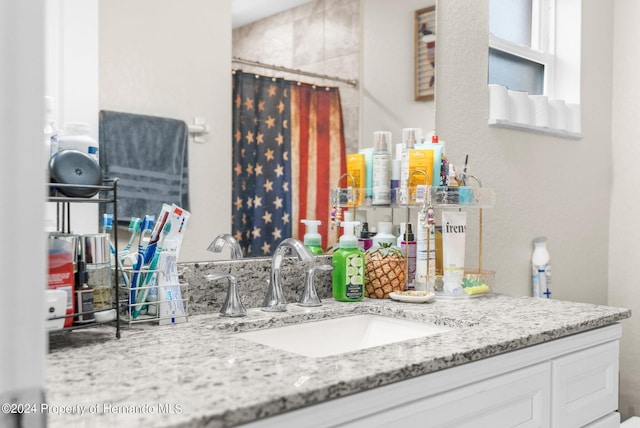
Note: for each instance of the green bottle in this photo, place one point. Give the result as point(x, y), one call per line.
point(312, 239)
point(348, 266)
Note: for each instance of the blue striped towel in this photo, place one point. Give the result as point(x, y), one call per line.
point(149, 156)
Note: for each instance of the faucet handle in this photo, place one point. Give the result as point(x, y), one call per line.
point(309, 296)
point(232, 306)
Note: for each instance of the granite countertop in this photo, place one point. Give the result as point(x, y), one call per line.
point(198, 374)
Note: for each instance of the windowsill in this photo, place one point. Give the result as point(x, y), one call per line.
point(500, 123)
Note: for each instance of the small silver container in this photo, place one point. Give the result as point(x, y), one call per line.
point(96, 249)
point(96, 253)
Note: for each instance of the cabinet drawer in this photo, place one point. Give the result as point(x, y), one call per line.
point(585, 385)
point(612, 420)
point(516, 399)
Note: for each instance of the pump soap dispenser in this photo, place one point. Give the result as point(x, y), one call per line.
point(348, 266)
point(312, 239)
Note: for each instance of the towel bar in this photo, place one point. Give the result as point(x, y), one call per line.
point(198, 129)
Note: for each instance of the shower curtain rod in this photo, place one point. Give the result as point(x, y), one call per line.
point(351, 82)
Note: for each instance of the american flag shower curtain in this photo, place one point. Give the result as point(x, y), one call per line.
point(288, 152)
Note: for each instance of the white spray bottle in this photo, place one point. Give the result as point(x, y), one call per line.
point(410, 136)
point(381, 169)
point(541, 268)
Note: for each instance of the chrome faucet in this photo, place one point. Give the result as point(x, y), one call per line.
point(232, 306)
point(274, 301)
point(309, 296)
point(219, 241)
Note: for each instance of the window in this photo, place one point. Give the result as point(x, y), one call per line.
point(521, 44)
point(534, 50)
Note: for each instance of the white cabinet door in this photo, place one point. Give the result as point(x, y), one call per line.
point(516, 399)
point(585, 385)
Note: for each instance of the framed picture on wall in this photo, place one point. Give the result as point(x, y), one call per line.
point(425, 53)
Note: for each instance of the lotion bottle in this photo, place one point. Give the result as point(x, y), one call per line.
point(541, 268)
point(381, 181)
point(385, 229)
point(348, 266)
point(312, 239)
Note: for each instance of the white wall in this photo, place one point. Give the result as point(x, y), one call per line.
point(22, 335)
point(580, 194)
point(624, 235)
point(71, 55)
point(387, 71)
point(544, 185)
point(173, 59)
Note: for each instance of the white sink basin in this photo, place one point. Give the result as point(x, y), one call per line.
point(339, 335)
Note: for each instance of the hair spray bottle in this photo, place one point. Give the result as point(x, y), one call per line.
point(541, 269)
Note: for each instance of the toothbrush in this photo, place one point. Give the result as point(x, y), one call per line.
point(144, 290)
point(107, 225)
point(155, 236)
point(150, 251)
point(145, 227)
point(134, 228)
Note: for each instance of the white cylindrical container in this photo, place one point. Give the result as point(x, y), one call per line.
point(384, 234)
point(574, 121)
point(498, 103)
point(381, 169)
point(520, 106)
point(558, 114)
point(541, 268)
point(540, 105)
point(76, 137)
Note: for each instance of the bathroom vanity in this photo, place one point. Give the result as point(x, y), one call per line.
point(570, 382)
point(500, 360)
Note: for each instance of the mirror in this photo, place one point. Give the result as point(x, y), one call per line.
point(311, 35)
point(345, 39)
point(357, 45)
point(165, 71)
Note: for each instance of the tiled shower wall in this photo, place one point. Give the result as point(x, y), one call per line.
point(322, 36)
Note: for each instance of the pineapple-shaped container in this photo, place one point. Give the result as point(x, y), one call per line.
point(385, 271)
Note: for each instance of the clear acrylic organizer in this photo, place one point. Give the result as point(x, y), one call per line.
point(442, 197)
point(476, 281)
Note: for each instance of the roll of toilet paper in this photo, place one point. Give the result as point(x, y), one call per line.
point(558, 115)
point(520, 107)
point(498, 103)
point(540, 105)
point(574, 119)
